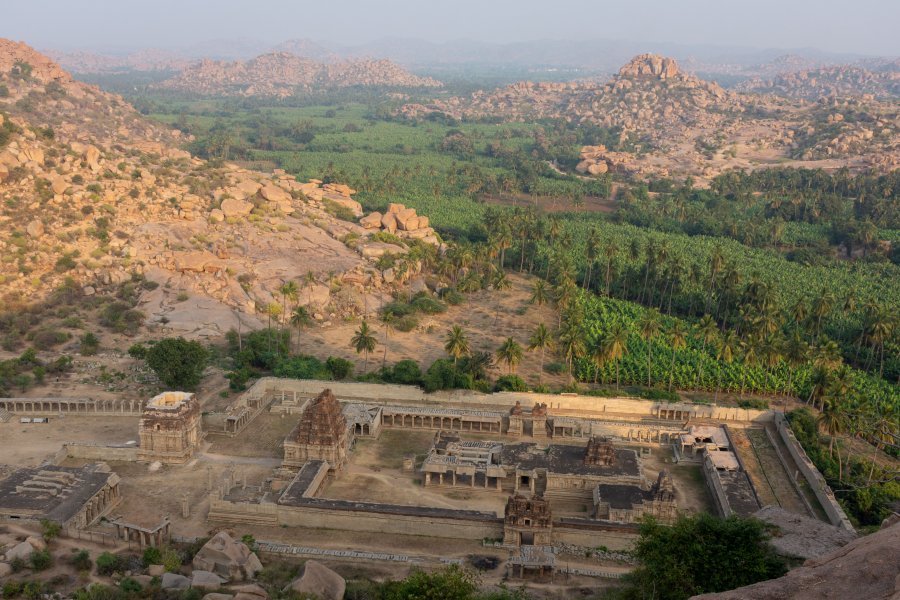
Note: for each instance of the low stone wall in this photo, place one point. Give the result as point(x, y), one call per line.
point(394, 394)
point(98, 452)
point(816, 481)
point(353, 520)
point(590, 534)
point(715, 486)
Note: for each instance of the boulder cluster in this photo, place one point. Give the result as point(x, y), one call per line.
point(402, 222)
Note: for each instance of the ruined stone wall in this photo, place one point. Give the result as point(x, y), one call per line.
point(720, 499)
point(579, 534)
point(823, 493)
point(405, 394)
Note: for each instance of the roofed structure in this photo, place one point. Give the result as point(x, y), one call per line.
point(321, 434)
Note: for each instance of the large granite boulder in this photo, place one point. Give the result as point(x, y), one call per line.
point(205, 579)
point(319, 581)
point(228, 558)
point(174, 581)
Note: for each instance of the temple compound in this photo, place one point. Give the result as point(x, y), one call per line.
point(628, 503)
point(528, 532)
point(556, 471)
point(73, 497)
point(170, 428)
point(321, 434)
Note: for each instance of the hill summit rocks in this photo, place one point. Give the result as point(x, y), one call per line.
point(15, 54)
point(653, 65)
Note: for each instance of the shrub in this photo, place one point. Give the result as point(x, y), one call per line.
point(130, 586)
point(81, 561)
point(427, 305)
point(107, 564)
point(443, 375)
point(151, 556)
point(406, 324)
point(452, 297)
point(405, 372)
point(48, 338)
point(50, 529)
point(301, 367)
point(138, 351)
point(90, 344)
point(340, 368)
point(11, 589)
point(41, 560)
point(510, 383)
point(556, 368)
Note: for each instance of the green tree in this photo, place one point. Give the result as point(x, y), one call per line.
point(540, 340)
point(450, 583)
point(713, 555)
point(615, 346)
point(511, 353)
point(678, 340)
point(300, 318)
point(364, 342)
point(456, 344)
point(177, 362)
point(649, 328)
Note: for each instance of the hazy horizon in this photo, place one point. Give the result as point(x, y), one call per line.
point(827, 26)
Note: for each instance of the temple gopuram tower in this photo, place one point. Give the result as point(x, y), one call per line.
point(321, 434)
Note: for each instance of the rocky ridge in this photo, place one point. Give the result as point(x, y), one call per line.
point(91, 191)
point(838, 80)
point(670, 122)
point(283, 74)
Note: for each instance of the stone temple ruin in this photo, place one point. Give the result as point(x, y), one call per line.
point(321, 434)
point(170, 429)
point(72, 497)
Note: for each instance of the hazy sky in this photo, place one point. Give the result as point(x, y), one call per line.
point(854, 26)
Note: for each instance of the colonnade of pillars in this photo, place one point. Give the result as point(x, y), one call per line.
point(79, 406)
point(440, 422)
point(100, 503)
point(454, 479)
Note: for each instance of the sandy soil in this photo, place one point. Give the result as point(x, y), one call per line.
point(29, 444)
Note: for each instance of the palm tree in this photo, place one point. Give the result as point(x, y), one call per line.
point(678, 340)
point(609, 252)
point(364, 342)
point(273, 311)
point(614, 346)
point(750, 349)
point(308, 280)
point(832, 421)
point(457, 344)
point(511, 353)
point(571, 340)
point(387, 319)
point(300, 318)
point(708, 333)
point(540, 340)
point(796, 353)
point(597, 356)
point(727, 346)
point(649, 328)
point(288, 291)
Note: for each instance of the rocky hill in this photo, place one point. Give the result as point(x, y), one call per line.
point(840, 81)
point(95, 196)
point(283, 74)
point(868, 567)
point(142, 60)
point(671, 122)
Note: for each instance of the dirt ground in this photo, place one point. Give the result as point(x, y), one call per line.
point(28, 444)
point(487, 318)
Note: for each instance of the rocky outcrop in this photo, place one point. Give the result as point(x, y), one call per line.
point(282, 74)
point(868, 567)
point(318, 581)
point(402, 222)
point(227, 558)
point(22, 60)
point(650, 65)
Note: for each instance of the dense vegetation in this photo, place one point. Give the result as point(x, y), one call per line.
point(699, 555)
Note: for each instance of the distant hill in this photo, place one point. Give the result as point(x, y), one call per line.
point(839, 80)
point(282, 74)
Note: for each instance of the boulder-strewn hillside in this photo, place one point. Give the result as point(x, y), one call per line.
point(868, 567)
point(842, 80)
point(92, 193)
point(282, 74)
point(671, 122)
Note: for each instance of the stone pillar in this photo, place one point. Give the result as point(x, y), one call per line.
point(185, 507)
